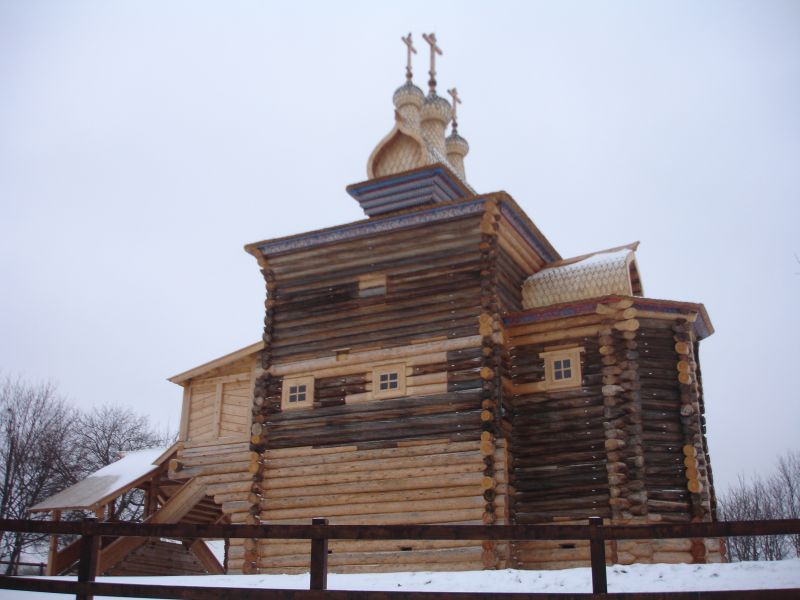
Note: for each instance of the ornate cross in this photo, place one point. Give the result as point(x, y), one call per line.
point(456, 101)
point(431, 39)
point(410, 49)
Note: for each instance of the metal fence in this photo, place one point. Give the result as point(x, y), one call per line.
point(319, 532)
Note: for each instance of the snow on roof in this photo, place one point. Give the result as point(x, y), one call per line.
point(590, 276)
point(110, 481)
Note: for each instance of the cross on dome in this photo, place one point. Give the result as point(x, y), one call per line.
point(431, 39)
point(410, 49)
point(456, 101)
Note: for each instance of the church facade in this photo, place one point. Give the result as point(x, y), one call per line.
point(440, 362)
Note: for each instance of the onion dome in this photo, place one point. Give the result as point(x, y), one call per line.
point(408, 93)
point(456, 145)
point(456, 148)
point(436, 108)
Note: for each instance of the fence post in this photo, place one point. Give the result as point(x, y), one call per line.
point(319, 559)
point(88, 556)
point(597, 547)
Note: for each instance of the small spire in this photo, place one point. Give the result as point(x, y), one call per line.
point(410, 49)
point(456, 101)
point(431, 39)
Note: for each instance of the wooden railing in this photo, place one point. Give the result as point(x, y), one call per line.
point(319, 532)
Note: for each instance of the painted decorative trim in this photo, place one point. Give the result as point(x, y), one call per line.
point(365, 228)
point(536, 315)
point(525, 231)
point(360, 189)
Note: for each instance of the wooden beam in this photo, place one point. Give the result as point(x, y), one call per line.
point(203, 553)
point(52, 550)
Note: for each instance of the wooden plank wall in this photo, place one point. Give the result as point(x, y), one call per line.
point(201, 411)
point(220, 401)
point(237, 401)
point(217, 449)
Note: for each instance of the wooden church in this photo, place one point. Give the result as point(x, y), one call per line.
point(440, 362)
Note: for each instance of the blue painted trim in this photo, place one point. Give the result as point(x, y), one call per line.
point(359, 189)
point(537, 315)
point(365, 228)
point(545, 314)
point(526, 232)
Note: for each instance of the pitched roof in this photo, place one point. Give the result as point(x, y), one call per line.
point(182, 378)
point(109, 482)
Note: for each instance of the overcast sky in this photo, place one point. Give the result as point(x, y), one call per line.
point(142, 144)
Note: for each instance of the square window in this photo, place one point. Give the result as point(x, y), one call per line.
point(372, 284)
point(562, 367)
point(389, 381)
point(298, 392)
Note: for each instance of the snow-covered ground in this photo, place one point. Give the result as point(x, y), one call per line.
point(635, 578)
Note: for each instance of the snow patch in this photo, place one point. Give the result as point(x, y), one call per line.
point(628, 578)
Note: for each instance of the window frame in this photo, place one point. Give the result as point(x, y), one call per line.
point(372, 284)
point(286, 393)
point(389, 369)
point(550, 357)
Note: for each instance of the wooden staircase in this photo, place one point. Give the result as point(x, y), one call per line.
point(178, 506)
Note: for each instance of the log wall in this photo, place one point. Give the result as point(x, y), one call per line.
point(477, 437)
point(411, 297)
point(429, 481)
point(558, 459)
point(317, 303)
point(627, 445)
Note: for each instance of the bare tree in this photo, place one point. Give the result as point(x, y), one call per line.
point(105, 434)
point(34, 450)
point(787, 482)
point(776, 496)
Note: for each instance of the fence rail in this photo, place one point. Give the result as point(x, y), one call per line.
point(40, 566)
point(319, 532)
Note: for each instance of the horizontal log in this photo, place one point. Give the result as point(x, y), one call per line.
point(388, 463)
point(474, 501)
point(346, 454)
point(386, 354)
point(376, 485)
point(436, 556)
point(331, 500)
point(430, 517)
